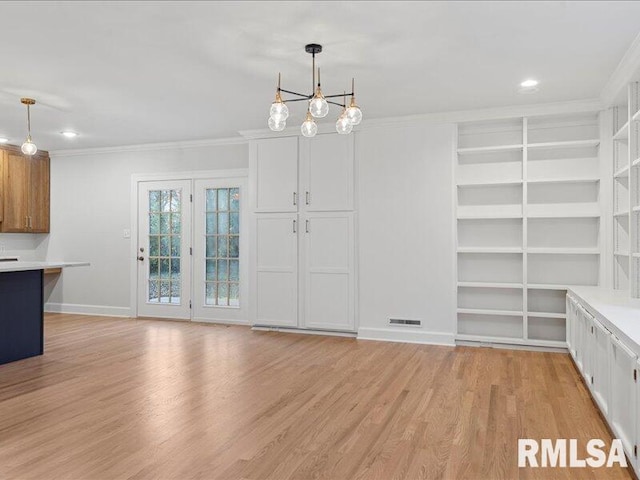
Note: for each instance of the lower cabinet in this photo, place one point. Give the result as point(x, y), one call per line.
point(304, 270)
point(610, 370)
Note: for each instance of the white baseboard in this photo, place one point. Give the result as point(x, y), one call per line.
point(99, 310)
point(331, 333)
point(406, 336)
point(221, 321)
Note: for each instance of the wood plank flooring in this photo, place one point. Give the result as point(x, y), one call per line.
point(151, 399)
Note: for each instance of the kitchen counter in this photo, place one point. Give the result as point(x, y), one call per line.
point(22, 307)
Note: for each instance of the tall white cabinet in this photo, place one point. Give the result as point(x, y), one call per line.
point(303, 261)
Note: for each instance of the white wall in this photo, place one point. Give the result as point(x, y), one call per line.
point(406, 232)
point(90, 208)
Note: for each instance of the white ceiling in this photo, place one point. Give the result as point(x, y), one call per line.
point(123, 73)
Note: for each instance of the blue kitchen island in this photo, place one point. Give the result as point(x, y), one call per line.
point(22, 308)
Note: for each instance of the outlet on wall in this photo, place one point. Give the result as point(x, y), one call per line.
point(126, 233)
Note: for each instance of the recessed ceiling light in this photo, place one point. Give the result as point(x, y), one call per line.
point(3, 140)
point(69, 134)
point(529, 83)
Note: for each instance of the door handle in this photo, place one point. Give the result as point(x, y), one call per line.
point(141, 258)
point(308, 198)
point(306, 226)
point(294, 227)
point(295, 198)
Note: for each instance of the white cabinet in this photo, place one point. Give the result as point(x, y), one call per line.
point(327, 173)
point(274, 175)
point(328, 252)
point(304, 256)
point(623, 394)
point(276, 269)
point(600, 351)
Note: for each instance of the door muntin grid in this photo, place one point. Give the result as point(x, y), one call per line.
point(222, 247)
point(165, 233)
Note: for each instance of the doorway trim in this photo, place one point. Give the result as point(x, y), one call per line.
point(136, 179)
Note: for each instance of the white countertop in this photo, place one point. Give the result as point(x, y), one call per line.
point(615, 310)
point(20, 266)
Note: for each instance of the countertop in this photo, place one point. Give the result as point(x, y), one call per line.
point(21, 266)
point(615, 310)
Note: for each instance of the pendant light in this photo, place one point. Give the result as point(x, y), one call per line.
point(354, 114)
point(28, 147)
point(317, 104)
point(343, 125)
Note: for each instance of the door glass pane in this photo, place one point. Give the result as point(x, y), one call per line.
point(164, 253)
point(222, 251)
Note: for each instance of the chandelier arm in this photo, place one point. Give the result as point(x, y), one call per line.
point(336, 103)
point(338, 95)
point(295, 93)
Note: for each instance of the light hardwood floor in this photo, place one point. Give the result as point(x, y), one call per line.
point(152, 399)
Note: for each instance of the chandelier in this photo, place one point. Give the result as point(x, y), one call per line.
point(317, 104)
point(28, 147)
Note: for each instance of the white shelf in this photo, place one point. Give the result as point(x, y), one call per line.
point(621, 214)
point(636, 162)
point(635, 255)
point(621, 254)
point(486, 216)
point(514, 286)
point(496, 148)
point(623, 172)
point(546, 286)
point(488, 183)
point(565, 251)
point(636, 209)
point(563, 180)
point(511, 341)
point(546, 315)
point(489, 249)
point(482, 311)
point(623, 133)
point(586, 210)
point(568, 144)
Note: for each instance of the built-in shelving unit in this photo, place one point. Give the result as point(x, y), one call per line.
point(626, 193)
point(528, 225)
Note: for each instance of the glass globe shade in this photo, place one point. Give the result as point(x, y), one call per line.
point(309, 128)
point(279, 111)
point(343, 125)
point(318, 106)
point(277, 126)
point(28, 147)
point(354, 114)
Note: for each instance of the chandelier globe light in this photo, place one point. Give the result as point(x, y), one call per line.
point(28, 147)
point(317, 104)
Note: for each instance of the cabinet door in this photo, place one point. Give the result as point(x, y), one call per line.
point(39, 194)
point(580, 338)
point(623, 394)
point(276, 269)
point(570, 309)
point(16, 193)
point(600, 367)
point(327, 173)
point(274, 175)
point(588, 346)
point(329, 271)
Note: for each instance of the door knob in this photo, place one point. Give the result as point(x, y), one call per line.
point(141, 258)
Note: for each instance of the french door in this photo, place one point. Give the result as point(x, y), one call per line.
point(192, 248)
point(163, 255)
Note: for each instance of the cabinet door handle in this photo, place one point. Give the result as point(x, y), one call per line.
point(294, 227)
point(30, 222)
point(306, 226)
point(308, 198)
point(295, 199)
point(26, 221)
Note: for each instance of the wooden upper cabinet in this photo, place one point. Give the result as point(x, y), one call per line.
point(24, 192)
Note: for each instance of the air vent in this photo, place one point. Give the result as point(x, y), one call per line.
point(405, 321)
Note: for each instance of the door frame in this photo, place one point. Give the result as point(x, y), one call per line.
point(138, 178)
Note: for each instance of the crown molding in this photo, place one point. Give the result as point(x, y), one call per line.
point(625, 73)
point(146, 147)
point(558, 108)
